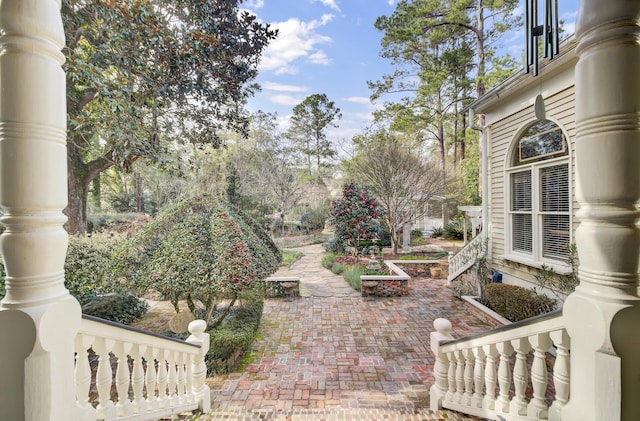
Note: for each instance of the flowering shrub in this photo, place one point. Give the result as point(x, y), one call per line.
point(199, 249)
point(354, 217)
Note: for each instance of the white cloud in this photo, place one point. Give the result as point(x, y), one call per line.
point(297, 39)
point(273, 86)
point(284, 100)
point(319, 57)
point(254, 4)
point(390, 2)
point(358, 99)
point(331, 3)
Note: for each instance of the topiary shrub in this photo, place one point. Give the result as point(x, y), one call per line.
point(121, 308)
point(200, 249)
point(515, 302)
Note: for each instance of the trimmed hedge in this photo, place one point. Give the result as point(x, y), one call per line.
point(515, 302)
point(121, 308)
point(230, 339)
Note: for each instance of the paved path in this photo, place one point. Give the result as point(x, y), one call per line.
point(332, 349)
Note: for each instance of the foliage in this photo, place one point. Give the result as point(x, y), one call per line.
point(560, 285)
point(397, 175)
point(288, 257)
point(199, 249)
point(416, 233)
point(120, 308)
point(3, 274)
point(106, 221)
point(309, 123)
point(337, 268)
point(313, 221)
point(352, 275)
point(354, 216)
point(328, 260)
point(142, 74)
point(437, 232)
point(454, 231)
point(235, 334)
point(466, 284)
point(516, 303)
point(89, 267)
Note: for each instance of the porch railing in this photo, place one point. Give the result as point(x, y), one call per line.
point(465, 257)
point(503, 373)
point(122, 373)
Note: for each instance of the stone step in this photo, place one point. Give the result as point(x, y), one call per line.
point(332, 414)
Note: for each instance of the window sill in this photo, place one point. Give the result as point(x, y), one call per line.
point(559, 268)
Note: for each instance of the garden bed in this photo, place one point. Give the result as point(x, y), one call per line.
point(396, 284)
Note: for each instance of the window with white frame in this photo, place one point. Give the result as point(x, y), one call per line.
point(539, 205)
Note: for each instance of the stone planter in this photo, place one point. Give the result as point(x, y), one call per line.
point(436, 271)
point(393, 285)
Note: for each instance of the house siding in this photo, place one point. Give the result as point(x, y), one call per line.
point(559, 108)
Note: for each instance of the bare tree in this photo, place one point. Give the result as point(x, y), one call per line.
point(398, 176)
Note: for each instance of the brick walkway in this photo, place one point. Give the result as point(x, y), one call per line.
point(343, 351)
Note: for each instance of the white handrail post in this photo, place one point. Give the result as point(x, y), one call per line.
point(441, 368)
point(38, 318)
point(199, 368)
point(603, 313)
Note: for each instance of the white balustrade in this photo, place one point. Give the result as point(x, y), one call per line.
point(465, 257)
point(154, 376)
point(468, 371)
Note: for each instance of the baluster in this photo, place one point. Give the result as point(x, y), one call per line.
point(123, 377)
point(520, 376)
point(182, 379)
point(190, 395)
point(137, 378)
point(490, 377)
point(468, 376)
point(173, 378)
point(82, 374)
point(478, 377)
point(504, 376)
point(537, 407)
point(459, 398)
point(162, 379)
point(104, 376)
point(451, 377)
point(150, 378)
point(561, 374)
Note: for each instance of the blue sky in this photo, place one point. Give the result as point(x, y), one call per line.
point(332, 47)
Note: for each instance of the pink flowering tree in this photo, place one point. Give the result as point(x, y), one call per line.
point(354, 217)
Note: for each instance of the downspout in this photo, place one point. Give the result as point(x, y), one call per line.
point(484, 175)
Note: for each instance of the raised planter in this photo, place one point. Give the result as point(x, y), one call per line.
point(485, 313)
point(393, 285)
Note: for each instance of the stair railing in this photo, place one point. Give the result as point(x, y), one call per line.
point(488, 375)
point(126, 373)
point(465, 257)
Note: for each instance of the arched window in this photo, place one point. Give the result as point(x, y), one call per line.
point(539, 202)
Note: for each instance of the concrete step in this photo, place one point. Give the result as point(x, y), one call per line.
point(332, 414)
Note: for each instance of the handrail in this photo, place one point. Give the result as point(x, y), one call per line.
point(477, 375)
point(125, 373)
point(513, 326)
point(465, 257)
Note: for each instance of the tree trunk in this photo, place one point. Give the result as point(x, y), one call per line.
point(79, 177)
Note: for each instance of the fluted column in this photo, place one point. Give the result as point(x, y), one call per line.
point(603, 314)
point(38, 317)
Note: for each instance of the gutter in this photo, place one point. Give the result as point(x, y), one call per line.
point(484, 175)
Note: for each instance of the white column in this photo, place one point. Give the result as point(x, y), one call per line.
point(603, 315)
point(38, 317)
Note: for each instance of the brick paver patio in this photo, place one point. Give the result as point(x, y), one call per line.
point(343, 351)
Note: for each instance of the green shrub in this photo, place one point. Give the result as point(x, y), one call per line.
point(104, 221)
point(328, 260)
point(417, 233)
point(235, 334)
point(352, 275)
point(121, 308)
point(337, 268)
point(89, 267)
point(454, 231)
point(516, 303)
point(437, 232)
